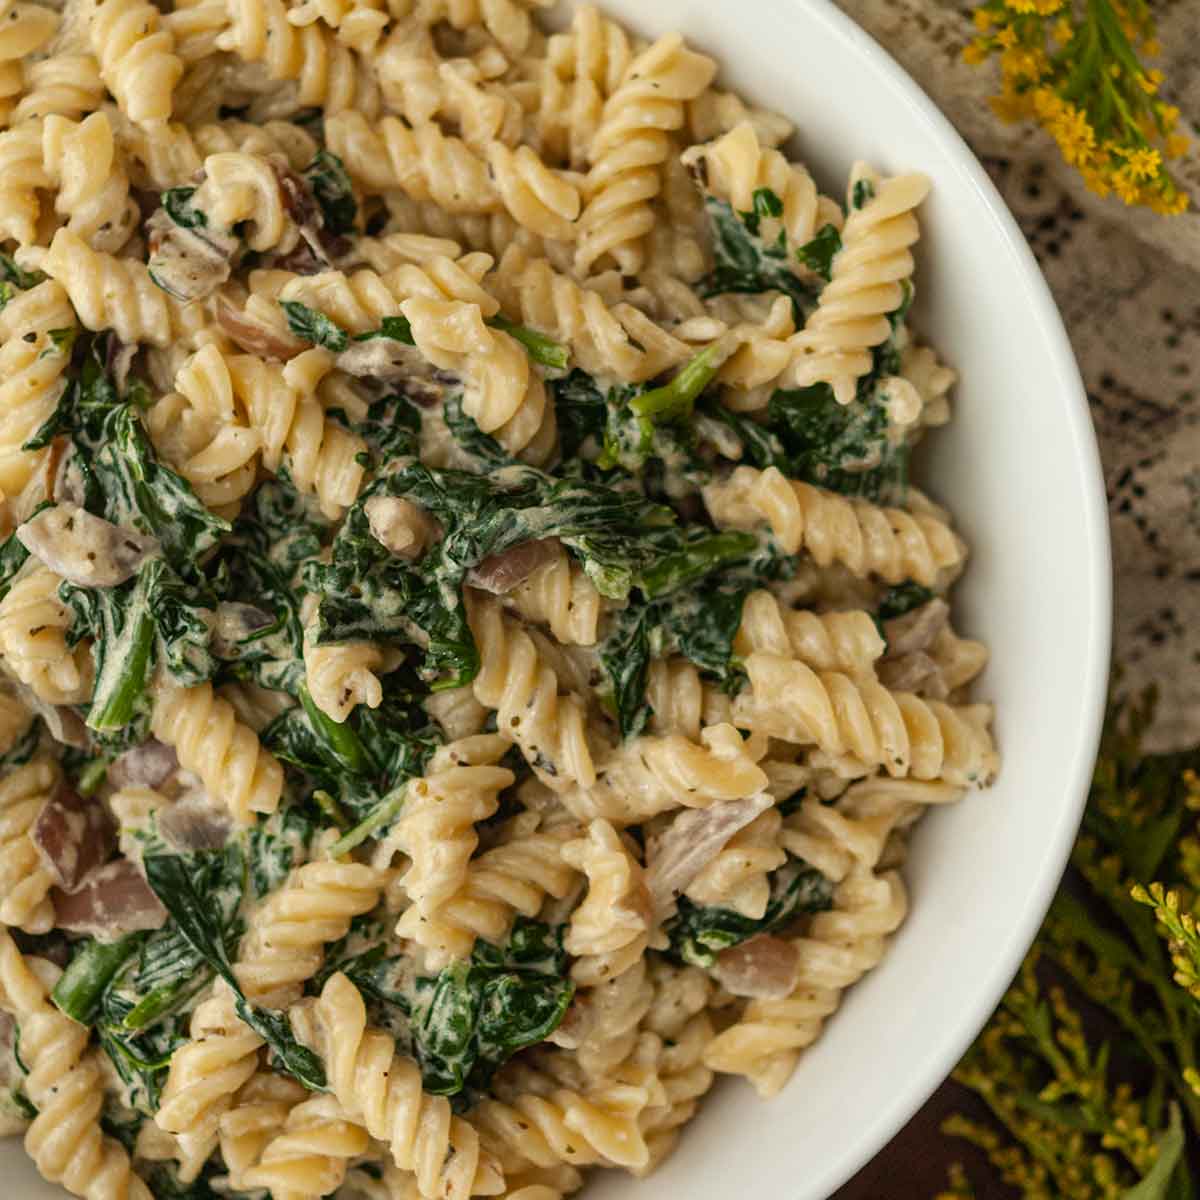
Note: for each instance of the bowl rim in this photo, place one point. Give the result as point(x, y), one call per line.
point(878, 1127)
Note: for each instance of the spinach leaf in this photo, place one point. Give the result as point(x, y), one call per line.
point(178, 205)
point(903, 598)
point(542, 349)
point(397, 328)
point(17, 276)
point(476, 1015)
point(863, 193)
point(582, 413)
point(391, 429)
point(743, 263)
point(312, 326)
point(818, 254)
point(152, 618)
point(699, 933)
point(186, 885)
point(843, 447)
point(331, 188)
point(368, 593)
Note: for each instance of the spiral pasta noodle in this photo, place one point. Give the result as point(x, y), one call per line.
point(865, 724)
point(618, 340)
point(24, 879)
point(259, 1111)
point(737, 877)
point(651, 775)
point(325, 71)
point(536, 1123)
point(137, 58)
point(889, 542)
point(514, 877)
point(112, 293)
point(66, 85)
point(835, 641)
point(323, 456)
point(609, 930)
point(64, 1084)
point(381, 1088)
point(309, 1157)
point(33, 358)
point(560, 595)
point(82, 160)
point(212, 742)
point(33, 628)
point(865, 286)
point(581, 69)
point(736, 166)
point(523, 691)
point(630, 147)
point(22, 173)
point(198, 429)
point(437, 827)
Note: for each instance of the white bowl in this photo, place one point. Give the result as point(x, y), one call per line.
point(1019, 467)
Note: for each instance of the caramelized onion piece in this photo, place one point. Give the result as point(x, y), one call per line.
point(255, 337)
point(763, 968)
point(150, 765)
point(85, 549)
point(915, 630)
point(500, 573)
point(693, 839)
point(73, 836)
point(113, 901)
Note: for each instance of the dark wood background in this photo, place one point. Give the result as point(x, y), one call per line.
point(914, 1165)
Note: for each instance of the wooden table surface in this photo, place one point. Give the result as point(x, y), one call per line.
point(913, 1165)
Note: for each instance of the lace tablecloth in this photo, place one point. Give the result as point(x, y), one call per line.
point(1128, 284)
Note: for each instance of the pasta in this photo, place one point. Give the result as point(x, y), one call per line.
point(33, 627)
point(864, 287)
point(83, 162)
point(210, 740)
point(23, 876)
point(382, 1088)
point(464, 610)
point(33, 359)
point(630, 147)
point(137, 59)
point(64, 1083)
point(890, 543)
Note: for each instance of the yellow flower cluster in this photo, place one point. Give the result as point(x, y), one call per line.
point(1075, 67)
point(1103, 1108)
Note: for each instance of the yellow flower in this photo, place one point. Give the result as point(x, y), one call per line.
point(983, 19)
point(1041, 8)
point(1177, 144)
point(1063, 31)
point(1152, 48)
point(975, 52)
point(1007, 37)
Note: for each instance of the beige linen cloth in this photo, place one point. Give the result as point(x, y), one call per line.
point(1128, 284)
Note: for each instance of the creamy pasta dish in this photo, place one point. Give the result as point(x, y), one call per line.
point(471, 652)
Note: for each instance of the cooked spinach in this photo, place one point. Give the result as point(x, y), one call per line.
point(391, 429)
point(818, 254)
point(844, 447)
point(187, 884)
point(366, 592)
point(154, 618)
point(18, 276)
point(312, 326)
point(331, 188)
point(743, 262)
point(698, 933)
point(862, 194)
point(901, 599)
point(178, 204)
